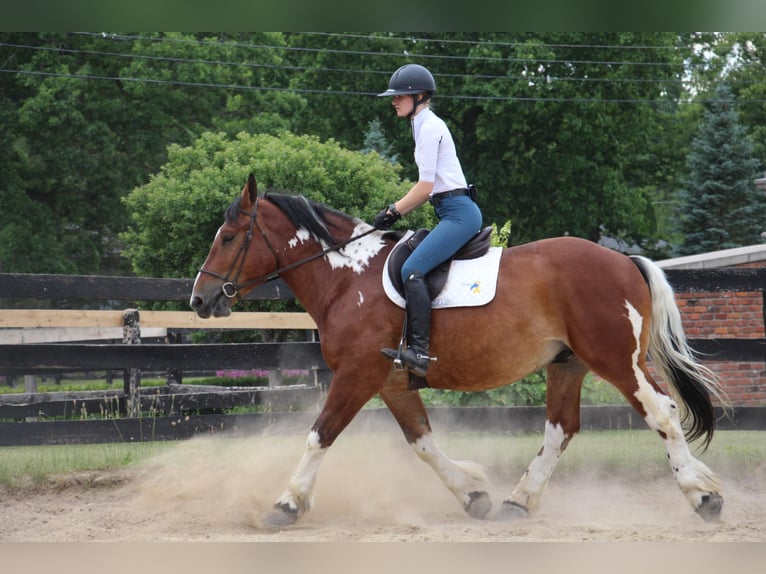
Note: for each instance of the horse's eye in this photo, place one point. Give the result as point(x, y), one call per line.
point(228, 238)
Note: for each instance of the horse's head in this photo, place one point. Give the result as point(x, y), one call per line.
point(234, 258)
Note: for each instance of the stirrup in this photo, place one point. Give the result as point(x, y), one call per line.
point(396, 356)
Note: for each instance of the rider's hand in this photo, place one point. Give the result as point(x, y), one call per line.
point(386, 217)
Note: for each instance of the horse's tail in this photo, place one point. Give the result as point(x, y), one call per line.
point(688, 380)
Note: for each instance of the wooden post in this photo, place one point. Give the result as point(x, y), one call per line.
point(173, 376)
point(30, 387)
point(275, 378)
point(131, 335)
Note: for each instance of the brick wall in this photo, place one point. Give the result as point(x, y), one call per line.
point(735, 315)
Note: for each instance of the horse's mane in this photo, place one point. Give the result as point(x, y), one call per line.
point(308, 214)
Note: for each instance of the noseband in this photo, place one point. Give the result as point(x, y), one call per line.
point(231, 289)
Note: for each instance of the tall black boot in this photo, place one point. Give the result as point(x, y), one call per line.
point(415, 356)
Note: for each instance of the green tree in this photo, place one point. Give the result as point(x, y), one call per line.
point(720, 207)
point(87, 117)
point(173, 218)
point(744, 54)
point(375, 140)
point(559, 131)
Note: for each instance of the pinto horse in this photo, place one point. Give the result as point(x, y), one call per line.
point(564, 304)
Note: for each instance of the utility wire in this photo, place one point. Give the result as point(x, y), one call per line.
point(353, 93)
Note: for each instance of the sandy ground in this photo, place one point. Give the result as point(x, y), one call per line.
point(370, 488)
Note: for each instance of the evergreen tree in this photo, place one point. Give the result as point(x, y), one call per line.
point(375, 140)
point(720, 207)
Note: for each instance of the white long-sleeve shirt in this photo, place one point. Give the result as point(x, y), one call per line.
point(435, 153)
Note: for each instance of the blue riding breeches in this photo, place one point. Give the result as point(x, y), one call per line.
point(459, 220)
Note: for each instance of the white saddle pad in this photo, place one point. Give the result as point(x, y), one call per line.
point(470, 283)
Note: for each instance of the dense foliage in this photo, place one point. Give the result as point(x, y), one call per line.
point(174, 217)
point(579, 133)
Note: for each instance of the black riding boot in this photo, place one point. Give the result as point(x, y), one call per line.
point(415, 356)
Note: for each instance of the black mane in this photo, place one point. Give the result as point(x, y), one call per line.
point(310, 215)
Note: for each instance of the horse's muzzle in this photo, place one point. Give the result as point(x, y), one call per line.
point(207, 307)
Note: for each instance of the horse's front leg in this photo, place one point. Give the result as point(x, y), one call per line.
point(345, 399)
point(297, 497)
point(466, 480)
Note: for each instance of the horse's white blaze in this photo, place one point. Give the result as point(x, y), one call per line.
point(194, 288)
point(662, 414)
point(299, 490)
point(361, 299)
point(530, 488)
point(461, 477)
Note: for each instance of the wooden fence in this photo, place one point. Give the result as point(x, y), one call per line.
point(177, 411)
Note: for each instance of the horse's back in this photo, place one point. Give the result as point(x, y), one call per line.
point(572, 270)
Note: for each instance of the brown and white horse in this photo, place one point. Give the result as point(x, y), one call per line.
point(564, 304)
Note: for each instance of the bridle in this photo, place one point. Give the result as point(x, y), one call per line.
point(231, 289)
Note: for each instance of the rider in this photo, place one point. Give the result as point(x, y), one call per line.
point(441, 182)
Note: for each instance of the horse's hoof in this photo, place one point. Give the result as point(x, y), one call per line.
point(511, 511)
point(479, 505)
point(710, 509)
point(281, 517)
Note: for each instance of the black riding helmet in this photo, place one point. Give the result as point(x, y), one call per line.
point(411, 79)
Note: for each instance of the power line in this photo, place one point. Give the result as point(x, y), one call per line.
point(285, 67)
point(123, 37)
point(555, 99)
point(488, 42)
point(535, 81)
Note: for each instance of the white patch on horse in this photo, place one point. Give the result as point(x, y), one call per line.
point(461, 477)
point(301, 236)
point(357, 254)
point(694, 477)
point(660, 409)
point(361, 299)
point(530, 489)
point(298, 495)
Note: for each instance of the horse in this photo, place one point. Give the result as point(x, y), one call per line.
point(564, 304)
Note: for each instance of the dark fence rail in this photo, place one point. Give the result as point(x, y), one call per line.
point(443, 419)
point(18, 286)
point(175, 400)
point(42, 358)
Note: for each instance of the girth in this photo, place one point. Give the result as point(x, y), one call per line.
point(477, 246)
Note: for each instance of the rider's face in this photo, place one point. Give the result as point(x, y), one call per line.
point(403, 105)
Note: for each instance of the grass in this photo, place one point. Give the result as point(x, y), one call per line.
point(33, 465)
point(75, 385)
point(635, 454)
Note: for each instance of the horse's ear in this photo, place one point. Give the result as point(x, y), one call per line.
point(249, 192)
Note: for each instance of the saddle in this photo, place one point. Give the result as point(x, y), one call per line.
point(476, 247)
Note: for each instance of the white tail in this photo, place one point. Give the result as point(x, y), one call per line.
point(691, 383)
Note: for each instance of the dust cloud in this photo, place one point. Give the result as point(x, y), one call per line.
point(370, 487)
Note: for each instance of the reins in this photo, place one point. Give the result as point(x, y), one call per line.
point(231, 288)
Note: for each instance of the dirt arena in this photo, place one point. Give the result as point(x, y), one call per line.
point(371, 487)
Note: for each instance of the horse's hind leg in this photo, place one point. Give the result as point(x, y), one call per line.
point(699, 484)
point(465, 480)
point(662, 414)
point(563, 384)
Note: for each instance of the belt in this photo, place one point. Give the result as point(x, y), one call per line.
point(437, 198)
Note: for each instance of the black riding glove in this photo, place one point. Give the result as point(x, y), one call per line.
point(386, 217)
